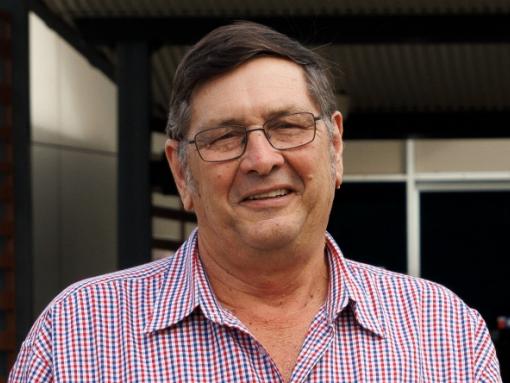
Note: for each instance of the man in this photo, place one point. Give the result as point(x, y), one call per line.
point(259, 293)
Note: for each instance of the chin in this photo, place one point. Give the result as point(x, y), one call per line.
point(270, 237)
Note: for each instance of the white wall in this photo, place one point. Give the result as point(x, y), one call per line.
point(374, 157)
point(388, 157)
point(466, 155)
point(74, 159)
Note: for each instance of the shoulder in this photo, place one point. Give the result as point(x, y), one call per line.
point(426, 313)
point(399, 295)
point(391, 280)
point(100, 297)
point(145, 274)
point(108, 296)
point(398, 292)
point(368, 274)
point(134, 290)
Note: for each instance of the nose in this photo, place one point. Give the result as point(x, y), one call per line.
point(260, 157)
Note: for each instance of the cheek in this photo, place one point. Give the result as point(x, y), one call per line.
point(321, 172)
point(318, 167)
point(220, 178)
point(215, 182)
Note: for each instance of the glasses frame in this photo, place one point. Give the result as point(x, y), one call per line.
point(262, 128)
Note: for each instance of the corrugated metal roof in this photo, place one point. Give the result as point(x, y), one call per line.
point(79, 8)
point(377, 77)
point(426, 77)
point(398, 77)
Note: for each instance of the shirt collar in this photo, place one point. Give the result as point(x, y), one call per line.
point(176, 298)
point(185, 287)
point(346, 289)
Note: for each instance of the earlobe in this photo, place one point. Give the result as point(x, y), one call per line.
point(179, 173)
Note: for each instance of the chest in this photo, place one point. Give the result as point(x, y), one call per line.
point(282, 345)
point(198, 350)
point(281, 337)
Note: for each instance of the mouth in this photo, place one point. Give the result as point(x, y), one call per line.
point(268, 195)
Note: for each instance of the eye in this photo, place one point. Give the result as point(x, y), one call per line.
point(220, 137)
point(293, 121)
point(224, 137)
point(283, 125)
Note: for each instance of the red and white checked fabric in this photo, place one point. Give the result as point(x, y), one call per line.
point(161, 322)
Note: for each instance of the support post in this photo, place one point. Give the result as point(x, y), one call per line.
point(133, 193)
point(17, 228)
point(413, 213)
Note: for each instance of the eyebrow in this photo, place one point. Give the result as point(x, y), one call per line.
point(267, 115)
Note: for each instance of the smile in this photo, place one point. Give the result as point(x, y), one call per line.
point(270, 194)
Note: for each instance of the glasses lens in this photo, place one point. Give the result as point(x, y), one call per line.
point(284, 132)
point(220, 144)
point(290, 131)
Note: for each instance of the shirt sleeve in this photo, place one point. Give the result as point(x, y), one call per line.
point(486, 361)
point(33, 363)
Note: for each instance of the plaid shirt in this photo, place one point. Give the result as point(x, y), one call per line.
point(161, 322)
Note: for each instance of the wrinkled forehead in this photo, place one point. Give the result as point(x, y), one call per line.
point(262, 87)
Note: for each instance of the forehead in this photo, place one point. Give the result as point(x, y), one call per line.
point(251, 93)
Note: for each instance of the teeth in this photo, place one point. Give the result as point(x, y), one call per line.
point(271, 194)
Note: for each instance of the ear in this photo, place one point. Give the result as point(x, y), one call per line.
point(338, 146)
point(179, 173)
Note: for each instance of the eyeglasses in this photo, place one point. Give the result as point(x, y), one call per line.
point(229, 142)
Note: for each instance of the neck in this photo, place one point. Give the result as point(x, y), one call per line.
point(273, 281)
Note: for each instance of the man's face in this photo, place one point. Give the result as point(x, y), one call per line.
point(266, 199)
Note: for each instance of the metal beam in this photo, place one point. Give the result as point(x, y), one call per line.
point(133, 193)
point(389, 125)
point(324, 29)
point(399, 125)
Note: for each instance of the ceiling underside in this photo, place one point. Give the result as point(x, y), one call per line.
point(422, 78)
point(453, 72)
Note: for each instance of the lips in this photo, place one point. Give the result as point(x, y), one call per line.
point(266, 195)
